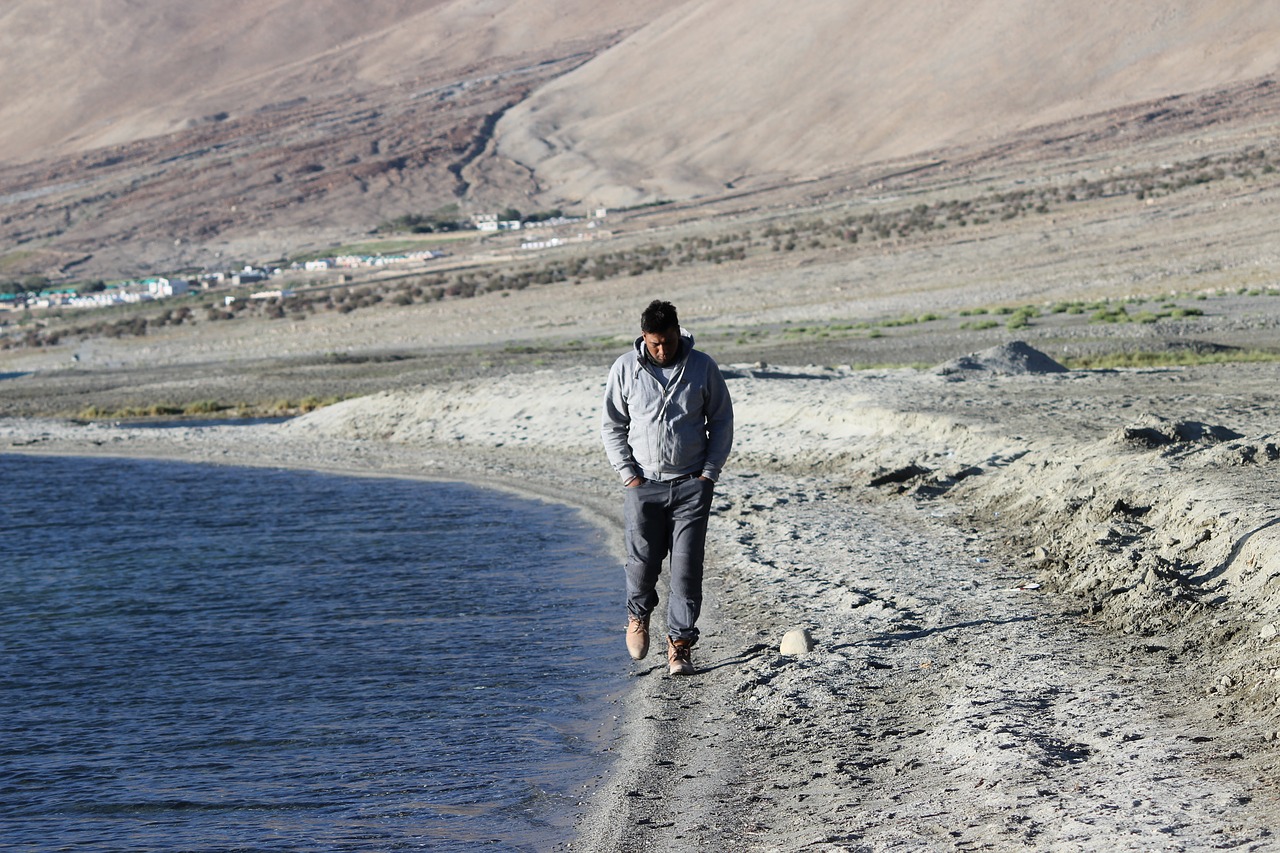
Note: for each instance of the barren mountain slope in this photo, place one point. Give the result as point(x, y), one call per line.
point(137, 136)
point(140, 136)
point(83, 75)
point(727, 92)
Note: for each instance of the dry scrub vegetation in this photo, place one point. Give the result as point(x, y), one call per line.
point(839, 234)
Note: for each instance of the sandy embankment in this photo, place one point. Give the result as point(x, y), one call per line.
point(948, 702)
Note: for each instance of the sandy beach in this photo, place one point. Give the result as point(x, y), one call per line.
point(1041, 603)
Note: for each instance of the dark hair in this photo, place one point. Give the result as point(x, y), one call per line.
point(659, 317)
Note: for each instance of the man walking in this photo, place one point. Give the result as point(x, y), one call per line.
point(667, 426)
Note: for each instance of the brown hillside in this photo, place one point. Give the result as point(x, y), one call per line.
point(142, 135)
point(729, 92)
point(84, 75)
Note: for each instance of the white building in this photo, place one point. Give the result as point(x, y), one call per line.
point(498, 225)
point(158, 288)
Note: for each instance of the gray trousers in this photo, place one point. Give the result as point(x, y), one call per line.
point(664, 519)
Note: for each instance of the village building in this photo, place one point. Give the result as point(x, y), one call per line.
point(248, 275)
point(159, 288)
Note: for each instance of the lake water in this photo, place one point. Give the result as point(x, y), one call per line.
point(214, 659)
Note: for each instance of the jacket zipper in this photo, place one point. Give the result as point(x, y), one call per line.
point(667, 391)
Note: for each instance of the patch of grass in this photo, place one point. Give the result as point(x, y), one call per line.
point(1110, 314)
point(389, 247)
point(1066, 308)
point(910, 320)
point(306, 404)
point(1173, 358)
point(1117, 314)
point(828, 330)
point(406, 244)
point(1021, 319)
point(155, 410)
point(205, 408)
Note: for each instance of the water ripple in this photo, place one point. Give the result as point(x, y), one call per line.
point(222, 659)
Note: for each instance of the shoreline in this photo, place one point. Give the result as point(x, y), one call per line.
point(920, 592)
point(55, 438)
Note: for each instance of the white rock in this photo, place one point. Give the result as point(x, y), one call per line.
point(797, 641)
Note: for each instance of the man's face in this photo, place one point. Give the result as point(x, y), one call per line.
point(663, 347)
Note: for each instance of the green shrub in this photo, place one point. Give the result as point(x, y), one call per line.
point(1173, 358)
point(1020, 319)
point(1110, 314)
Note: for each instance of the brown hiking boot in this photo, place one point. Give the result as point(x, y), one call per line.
point(680, 657)
point(638, 637)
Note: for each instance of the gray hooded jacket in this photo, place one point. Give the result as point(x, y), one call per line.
point(659, 433)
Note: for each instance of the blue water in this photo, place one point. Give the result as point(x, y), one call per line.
point(208, 659)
